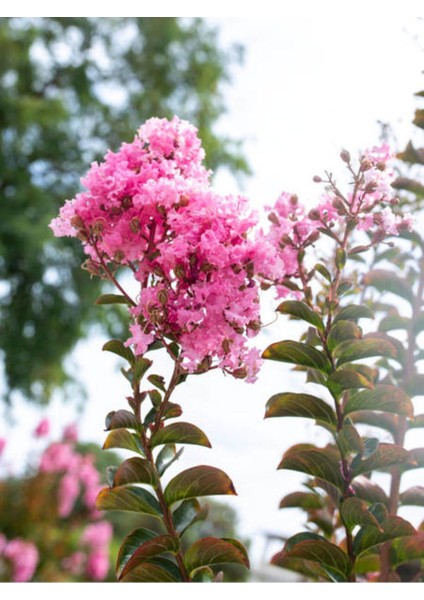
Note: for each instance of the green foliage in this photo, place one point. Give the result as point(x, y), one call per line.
point(70, 88)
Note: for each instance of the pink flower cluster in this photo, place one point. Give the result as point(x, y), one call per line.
point(92, 561)
point(79, 477)
point(368, 207)
point(149, 207)
point(20, 556)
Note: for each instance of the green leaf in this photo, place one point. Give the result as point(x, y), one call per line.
point(156, 570)
point(347, 379)
point(121, 418)
point(413, 496)
point(328, 556)
point(187, 513)
point(349, 441)
point(385, 398)
point(130, 544)
point(352, 350)
point(407, 548)
point(393, 323)
point(342, 331)
point(198, 481)
point(369, 563)
point(180, 433)
point(118, 347)
point(149, 549)
point(356, 512)
point(122, 438)
point(132, 499)
point(416, 422)
point(158, 381)
point(385, 421)
point(299, 354)
point(301, 311)
point(369, 536)
point(203, 575)
point(369, 491)
point(166, 457)
point(353, 312)
point(323, 463)
point(415, 385)
point(135, 470)
point(386, 281)
point(211, 551)
point(112, 299)
point(291, 404)
point(322, 269)
point(139, 368)
point(385, 456)
point(305, 500)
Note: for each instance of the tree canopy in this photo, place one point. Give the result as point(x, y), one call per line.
point(70, 88)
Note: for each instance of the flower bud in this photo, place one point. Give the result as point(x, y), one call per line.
point(316, 179)
point(345, 156)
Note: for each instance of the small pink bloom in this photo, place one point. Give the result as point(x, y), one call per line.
point(3, 443)
point(42, 429)
point(24, 558)
point(97, 565)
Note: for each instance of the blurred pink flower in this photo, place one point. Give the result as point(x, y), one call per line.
point(42, 429)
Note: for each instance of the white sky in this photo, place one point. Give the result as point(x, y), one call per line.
point(309, 86)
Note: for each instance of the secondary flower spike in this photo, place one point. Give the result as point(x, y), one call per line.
point(150, 208)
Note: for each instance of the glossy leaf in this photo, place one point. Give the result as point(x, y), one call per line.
point(386, 281)
point(341, 331)
point(132, 499)
point(112, 299)
point(203, 575)
point(349, 441)
point(353, 312)
point(166, 457)
point(122, 438)
point(198, 481)
point(180, 433)
point(187, 513)
point(369, 491)
point(149, 549)
point(155, 570)
point(317, 462)
point(140, 367)
point(121, 418)
point(385, 421)
point(352, 350)
point(328, 556)
point(385, 456)
point(347, 379)
point(135, 470)
point(158, 381)
point(368, 537)
point(291, 404)
point(118, 347)
point(301, 311)
point(297, 353)
point(385, 398)
point(130, 544)
point(322, 269)
point(309, 570)
point(305, 500)
point(211, 551)
point(413, 496)
point(356, 512)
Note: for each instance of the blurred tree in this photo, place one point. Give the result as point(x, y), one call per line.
point(69, 89)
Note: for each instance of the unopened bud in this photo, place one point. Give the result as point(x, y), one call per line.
point(314, 215)
point(294, 200)
point(135, 224)
point(365, 165)
point(316, 179)
point(126, 202)
point(77, 222)
point(345, 156)
point(240, 373)
point(273, 218)
point(118, 256)
point(163, 297)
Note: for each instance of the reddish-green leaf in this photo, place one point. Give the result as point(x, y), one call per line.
point(368, 563)
point(149, 549)
point(203, 575)
point(291, 404)
point(112, 299)
point(121, 418)
point(118, 347)
point(135, 470)
point(415, 385)
point(413, 496)
point(369, 536)
point(305, 500)
point(130, 544)
point(385, 456)
point(341, 331)
point(122, 438)
point(323, 463)
point(417, 421)
point(155, 570)
point(369, 491)
point(353, 312)
point(356, 512)
point(157, 381)
point(408, 548)
point(187, 513)
point(180, 433)
point(352, 350)
point(385, 421)
point(328, 556)
point(349, 441)
point(132, 499)
point(198, 481)
point(347, 379)
point(299, 354)
point(301, 311)
point(385, 398)
point(211, 551)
